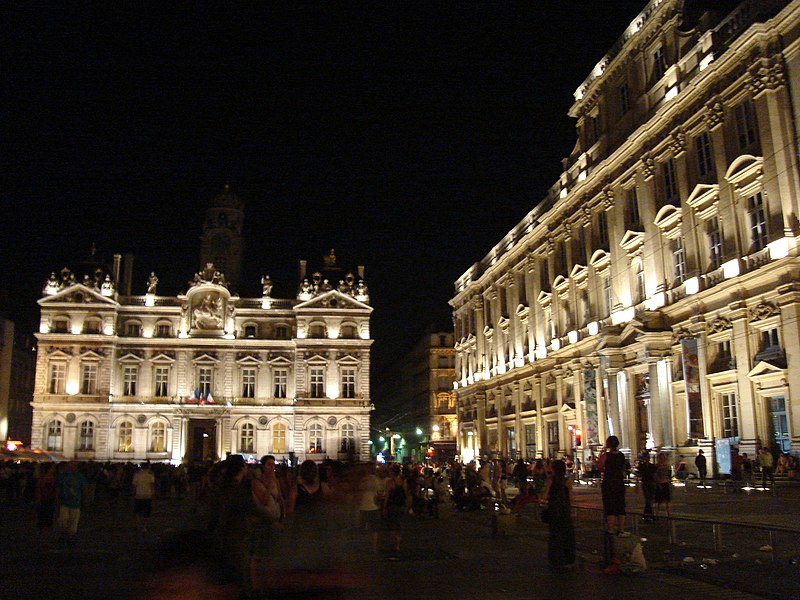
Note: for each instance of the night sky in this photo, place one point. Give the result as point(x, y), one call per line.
point(409, 137)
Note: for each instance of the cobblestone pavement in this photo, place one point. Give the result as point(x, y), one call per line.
point(460, 555)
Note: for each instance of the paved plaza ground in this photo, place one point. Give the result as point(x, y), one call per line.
point(460, 555)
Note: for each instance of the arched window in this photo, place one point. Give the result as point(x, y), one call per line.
point(86, 436)
point(60, 325)
point(316, 331)
point(91, 326)
point(158, 437)
point(279, 438)
point(55, 435)
point(348, 332)
point(125, 437)
point(315, 433)
point(348, 438)
point(247, 438)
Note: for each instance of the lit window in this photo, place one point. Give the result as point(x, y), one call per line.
point(86, 436)
point(714, 242)
point(279, 438)
point(758, 222)
point(315, 437)
point(348, 439)
point(659, 63)
point(280, 378)
point(317, 382)
point(158, 437)
point(247, 438)
point(129, 378)
point(348, 382)
point(204, 380)
point(125, 437)
point(162, 381)
point(89, 378)
point(58, 377)
point(248, 383)
point(730, 417)
point(55, 439)
point(679, 259)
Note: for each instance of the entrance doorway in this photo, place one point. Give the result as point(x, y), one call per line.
point(202, 441)
point(780, 423)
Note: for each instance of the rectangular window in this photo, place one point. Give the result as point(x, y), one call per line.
point(317, 379)
point(670, 181)
point(280, 377)
point(158, 438)
point(58, 378)
point(641, 292)
point(745, 125)
point(133, 330)
point(634, 219)
point(730, 417)
point(204, 381)
point(247, 438)
point(769, 339)
point(279, 438)
point(705, 158)
point(679, 259)
point(530, 441)
point(624, 98)
point(758, 222)
point(348, 383)
point(552, 437)
point(89, 378)
point(607, 299)
point(511, 442)
point(248, 383)
point(602, 230)
point(129, 378)
point(659, 63)
point(86, 436)
point(164, 330)
point(714, 242)
point(162, 382)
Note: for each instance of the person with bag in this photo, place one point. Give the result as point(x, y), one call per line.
point(558, 516)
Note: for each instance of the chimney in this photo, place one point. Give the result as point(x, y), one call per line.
point(127, 274)
point(116, 266)
point(303, 264)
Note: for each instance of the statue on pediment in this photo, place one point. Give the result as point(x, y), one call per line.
point(209, 275)
point(107, 287)
point(266, 286)
point(52, 284)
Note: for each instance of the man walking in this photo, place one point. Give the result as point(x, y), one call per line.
point(70, 484)
point(700, 463)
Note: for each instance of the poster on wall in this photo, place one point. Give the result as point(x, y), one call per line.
point(691, 378)
point(590, 402)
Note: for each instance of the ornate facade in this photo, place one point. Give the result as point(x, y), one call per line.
point(653, 293)
point(203, 373)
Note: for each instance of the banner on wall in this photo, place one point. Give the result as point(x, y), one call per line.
point(691, 378)
point(590, 402)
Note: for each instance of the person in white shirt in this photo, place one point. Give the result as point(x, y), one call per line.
point(144, 486)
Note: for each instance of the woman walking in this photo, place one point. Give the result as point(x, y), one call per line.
point(561, 541)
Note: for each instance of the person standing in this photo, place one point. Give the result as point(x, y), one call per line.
point(700, 463)
point(647, 477)
point(611, 463)
point(561, 538)
point(144, 489)
point(46, 500)
point(766, 462)
point(663, 482)
point(70, 484)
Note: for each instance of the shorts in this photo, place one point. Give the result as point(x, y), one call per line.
point(142, 507)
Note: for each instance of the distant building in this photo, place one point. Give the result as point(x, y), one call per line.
point(195, 376)
point(653, 293)
point(17, 367)
point(422, 396)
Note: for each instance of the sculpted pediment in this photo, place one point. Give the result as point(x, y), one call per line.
point(78, 294)
point(332, 300)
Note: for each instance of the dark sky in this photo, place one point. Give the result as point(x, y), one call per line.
point(410, 137)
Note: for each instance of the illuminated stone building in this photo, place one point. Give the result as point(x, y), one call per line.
point(653, 293)
point(123, 376)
